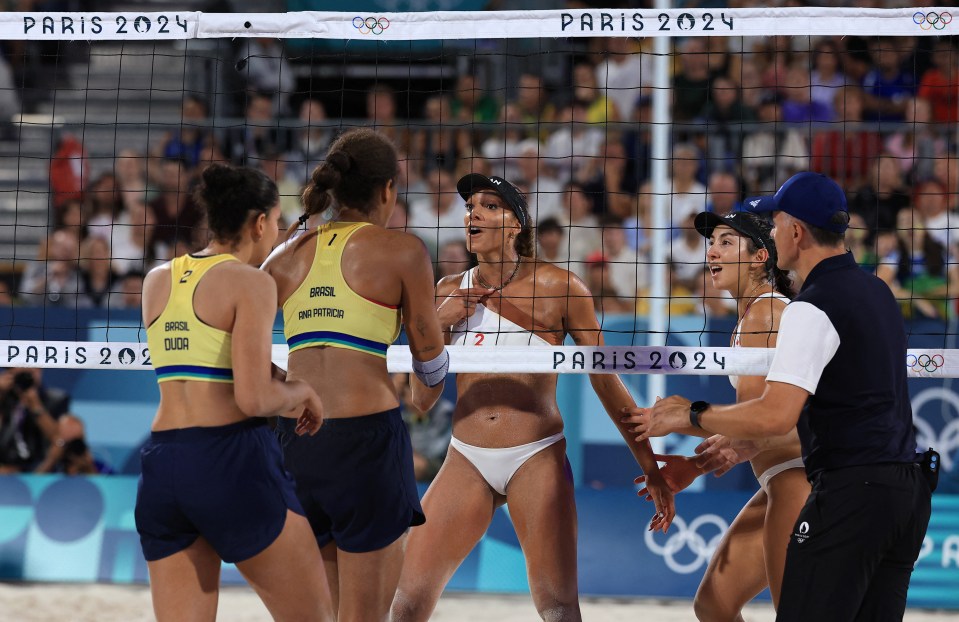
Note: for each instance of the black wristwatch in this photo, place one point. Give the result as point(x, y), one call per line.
point(696, 409)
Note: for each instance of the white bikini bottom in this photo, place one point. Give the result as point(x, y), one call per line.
point(497, 466)
point(773, 471)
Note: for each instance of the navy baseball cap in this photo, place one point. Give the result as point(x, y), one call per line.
point(810, 197)
point(474, 182)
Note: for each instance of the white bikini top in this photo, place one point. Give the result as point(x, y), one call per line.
point(734, 380)
point(488, 328)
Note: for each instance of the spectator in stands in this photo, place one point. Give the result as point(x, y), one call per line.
point(53, 279)
point(920, 271)
point(103, 203)
point(919, 143)
point(70, 217)
point(688, 195)
point(471, 103)
point(938, 84)
point(721, 60)
point(9, 99)
point(599, 107)
point(637, 140)
point(507, 145)
point(437, 218)
point(798, 106)
point(7, 298)
point(750, 82)
point(97, 277)
point(844, 153)
point(880, 198)
point(410, 184)
point(430, 432)
point(274, 165)
point(130, 167)
point(571, 148)
point(187, 142)
point(266, 70)
point(544, 192)
point(637, 224)
point(725, 115)
point(259, 133)
point(175, 213)
point(941, 223)
point(856, 61)
point(382, 115)
point(310, 141)
point(28, 418)
point(725, 106)
point(130, 235)
point(628, 273)
point(583, 226)
point(826, 78)
point(624, 74)
point(686, 271)
point(723, 193)
point(534, 105)
point(606, 182)
point(857, 237)
point(551, 242)
point(211, 154)
point(452, 258)
point(690, 85)
point(131, 292)
point(69, 453)
point(946, 172)
point(773, 56)
point(442, 146)
point(887, 87)
point(605, 298)
point(69, 170)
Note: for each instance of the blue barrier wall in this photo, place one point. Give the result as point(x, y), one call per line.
point(82, 529)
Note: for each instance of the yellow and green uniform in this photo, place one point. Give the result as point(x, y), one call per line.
point(325, 311)
point(182, 347)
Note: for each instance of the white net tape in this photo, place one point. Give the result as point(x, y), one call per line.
point(921, 363)
point(478, 24)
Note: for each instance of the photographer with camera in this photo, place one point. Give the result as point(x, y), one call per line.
point(69, 453)
point(28, 419)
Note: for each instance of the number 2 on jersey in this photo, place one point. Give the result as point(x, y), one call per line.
point(479, 339)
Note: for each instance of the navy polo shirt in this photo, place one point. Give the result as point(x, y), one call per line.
point(842, 339)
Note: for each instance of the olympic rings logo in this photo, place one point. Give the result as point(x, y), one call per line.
point(924, 363)
point(374, 25)
point(932, 19)
point(683, 536)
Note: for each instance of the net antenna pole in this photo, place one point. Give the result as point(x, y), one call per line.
point(659, 286)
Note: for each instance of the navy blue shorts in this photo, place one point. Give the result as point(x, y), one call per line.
point(355, 480)
point(224, 483)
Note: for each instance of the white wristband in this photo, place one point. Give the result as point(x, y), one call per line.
point(432, 372)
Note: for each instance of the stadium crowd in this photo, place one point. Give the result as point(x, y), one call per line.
point(874, 114)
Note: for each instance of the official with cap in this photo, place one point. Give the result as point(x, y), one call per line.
point(838, 372)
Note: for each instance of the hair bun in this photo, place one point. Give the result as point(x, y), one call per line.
point(220, 177)
point(340, 161)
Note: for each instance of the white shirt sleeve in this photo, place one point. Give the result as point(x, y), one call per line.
point(806, 343)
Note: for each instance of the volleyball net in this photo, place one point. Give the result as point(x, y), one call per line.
point(619, 125)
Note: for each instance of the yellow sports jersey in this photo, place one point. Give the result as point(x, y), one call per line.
point(324, 311)
point(181, 346)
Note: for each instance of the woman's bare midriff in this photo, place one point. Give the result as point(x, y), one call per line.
point(350, 383)
point(497, 410)
point(189, 404)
